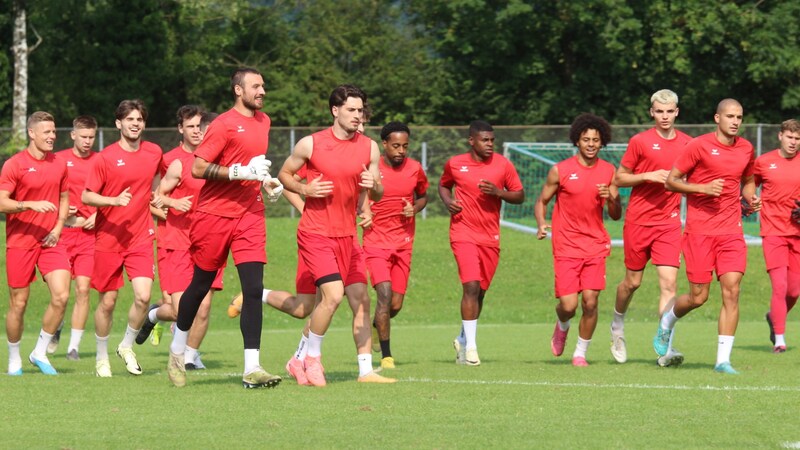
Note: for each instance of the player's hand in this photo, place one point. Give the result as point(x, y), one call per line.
point(72, 210)
point(50, 240)
point(488, 188)
point(796, 212)
point(367, 179)
point(408, 208)
point(656, 176)
point(273, 188)
point(542, 231)
point(454, 207)
point(318, 188)
point(89, 223)
point(603, 191)
point(41, 206)
point(366, 218)
point(713, 189)
point(256, 169)
point(124, 198)
point(156, 201)
point(182, 204)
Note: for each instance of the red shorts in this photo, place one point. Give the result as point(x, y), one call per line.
point(326, 258)
point(23, 271)
point(79, 244)
point(391, 265)
point(138, 262)
point(573, 275)
point(358, 266)
point(705, 254)
point(177, 270)
point(213, 236)
point(661, 243)
point(781, 251)
point(304, 281)
point(476, 262)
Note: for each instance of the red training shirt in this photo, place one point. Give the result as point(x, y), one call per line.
point(779, 179)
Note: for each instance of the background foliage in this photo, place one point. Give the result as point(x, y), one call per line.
point(421, 61)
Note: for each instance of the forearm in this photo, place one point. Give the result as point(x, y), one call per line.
point(513, 197)
point(94, 199)
point(539, 212)
point(376, 192)
point(11, 206)
point(629, 179)
point(420, 204)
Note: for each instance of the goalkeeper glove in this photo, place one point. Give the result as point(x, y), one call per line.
point(256, 169)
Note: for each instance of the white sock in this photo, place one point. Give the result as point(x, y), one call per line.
point(581, 347)
point(130, 336)
point(618, 323)
point(462, 339)
point(780, 340)
point(302, 348)
point(252, 359)
point(364, 364)
point(470, 332)
point(668, 319)
point(314, 345)
point(153, 315)
point(669, 344)
point(563, 326)
point(40, 351)
point(102, 347)
point(75, 337)
point(724, 347)
point(189, 355)
point(178, 345)
point(265, 294)
point(14, 360)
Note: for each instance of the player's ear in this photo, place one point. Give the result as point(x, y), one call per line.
point(677, 110)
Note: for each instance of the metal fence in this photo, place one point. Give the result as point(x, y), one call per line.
point(431, 145)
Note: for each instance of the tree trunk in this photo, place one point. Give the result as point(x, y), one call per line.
point(20, 49)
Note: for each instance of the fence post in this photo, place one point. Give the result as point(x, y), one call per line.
point(424, 161)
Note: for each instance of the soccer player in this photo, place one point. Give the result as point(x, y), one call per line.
point(776, 173)
point(178, 191)
point(652, 228)
point(78, 234)
point(472, 187)
point(340, 162)
point(34, 196)
point(388, 242)
point(232, 160)
point(582, 185)
point(120, 184)
point(712, 171)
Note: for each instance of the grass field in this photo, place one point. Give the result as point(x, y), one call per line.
point(521, 396)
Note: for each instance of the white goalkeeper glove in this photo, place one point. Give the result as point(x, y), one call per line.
point(256, 169)
point(274, 189)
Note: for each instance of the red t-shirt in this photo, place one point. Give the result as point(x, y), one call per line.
point(390, 228)
point(162, 235)
point(578, 229)
point(705, 159)
point(120, 228)
point(479, 219)
point(26, 179)
point(176, 232)
point(233, 138)
point(779, 179)
point(651, 203)
point(77, 171)
point(338, 161)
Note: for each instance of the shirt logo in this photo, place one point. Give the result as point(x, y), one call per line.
point(464, 169)
point(70, 164)
point(120, 163)
point(573, 176)
point(239, 129)
point(150, 231)
point(32, 169)
point(715, 152)
point(773, 166)
point(496, 237)
point(674, 214)
point(656, 146)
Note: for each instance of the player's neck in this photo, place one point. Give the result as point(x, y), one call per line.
point(242, 109)
point(80, 154)
point(189, 148)
point(129, 145)
point(341, 133)
point(35, 152)
point(724, 139)
point(667, 134)
point(786, 155)
point(586, 162)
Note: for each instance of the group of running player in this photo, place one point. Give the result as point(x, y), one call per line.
point(84, 215)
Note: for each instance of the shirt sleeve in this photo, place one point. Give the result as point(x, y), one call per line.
point(8, 176)
point(213, 142)
point(447, 179)
point(422, 183)
point(512, 181)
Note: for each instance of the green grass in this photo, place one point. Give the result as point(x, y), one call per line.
point(520, 397)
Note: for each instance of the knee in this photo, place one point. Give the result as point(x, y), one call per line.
point(631, 284)
point(472, 290)
point(589, 305)
point(395, 310)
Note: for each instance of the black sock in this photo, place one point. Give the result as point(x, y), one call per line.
point(385, 349)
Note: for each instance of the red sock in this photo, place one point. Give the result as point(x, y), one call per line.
point(777, 305)
point(792, 289)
